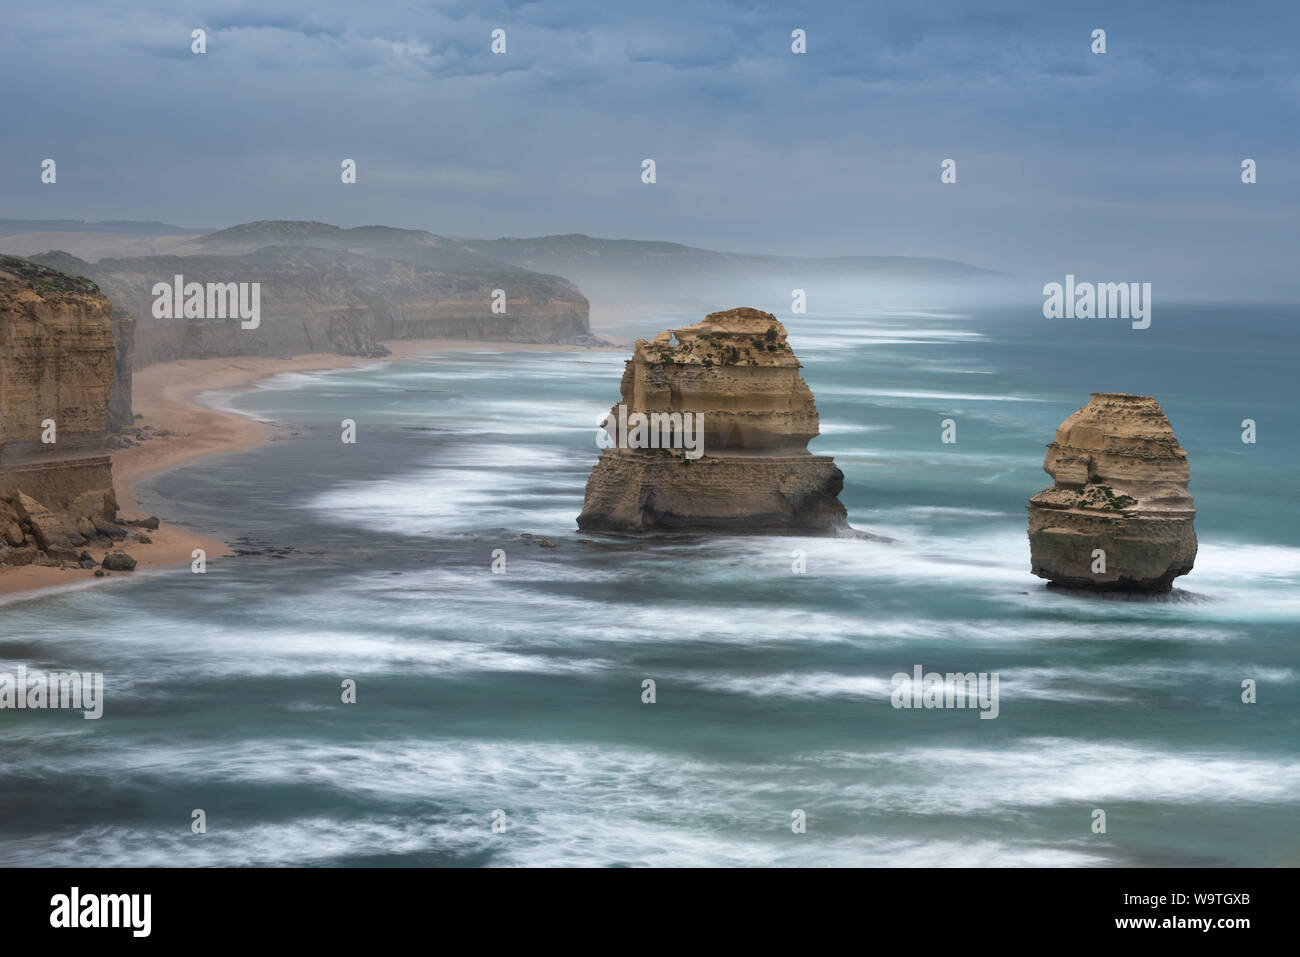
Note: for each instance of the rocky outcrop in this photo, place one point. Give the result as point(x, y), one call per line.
point(334, 300)
point(57, 357)
point(1119, 516)
point(732, 381)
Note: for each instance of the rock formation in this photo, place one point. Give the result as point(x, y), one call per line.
point(732, 380)
point(57, 358)
point(333, 300)
point(1121, 488)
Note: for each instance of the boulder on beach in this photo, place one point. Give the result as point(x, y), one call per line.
point(118, 562)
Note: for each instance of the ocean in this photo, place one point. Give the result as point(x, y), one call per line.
point(516, 698)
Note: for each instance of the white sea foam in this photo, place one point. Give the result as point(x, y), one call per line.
point(470, 485)
point(155, 664)
point(839, 428)
point(1110, 684)
point(224, 400)
point(546, 838)
point(658, 808)
point(927, 395)
point(930, 512)
point(839, 330)
point(1046, 771)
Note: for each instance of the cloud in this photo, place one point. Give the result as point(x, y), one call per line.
point(1063, 157)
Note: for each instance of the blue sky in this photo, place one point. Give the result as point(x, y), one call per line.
point(1121, 166)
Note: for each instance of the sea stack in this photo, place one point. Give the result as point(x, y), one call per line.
point(732, 381)
point(1119, 516)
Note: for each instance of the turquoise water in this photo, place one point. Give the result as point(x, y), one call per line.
point(522, 691)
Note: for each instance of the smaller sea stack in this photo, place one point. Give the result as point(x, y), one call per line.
point(711, 434)
point(1119, 516)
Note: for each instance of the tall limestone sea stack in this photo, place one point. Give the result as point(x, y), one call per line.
point(733, 381)
point(1119, 516)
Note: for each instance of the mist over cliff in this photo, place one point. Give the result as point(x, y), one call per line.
point(331, 299)
point(615, 275)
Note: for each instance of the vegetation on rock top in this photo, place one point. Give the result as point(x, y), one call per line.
point(45, 279)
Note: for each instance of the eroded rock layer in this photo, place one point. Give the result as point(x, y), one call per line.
point(1118, 516)
point(736, 376)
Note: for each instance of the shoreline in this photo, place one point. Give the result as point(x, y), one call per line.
point(166, 397)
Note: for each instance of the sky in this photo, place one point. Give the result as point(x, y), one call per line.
point(1119, 166)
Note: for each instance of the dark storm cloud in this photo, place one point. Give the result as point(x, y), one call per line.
point(1125, 164)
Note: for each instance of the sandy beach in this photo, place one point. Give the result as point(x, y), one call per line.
point(166, 397)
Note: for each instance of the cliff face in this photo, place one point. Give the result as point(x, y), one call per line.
point(120, 415)
point(1120, 486)
point(733, 381)
point(328, 300)
point(56, 366)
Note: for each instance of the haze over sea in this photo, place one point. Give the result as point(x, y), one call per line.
point(522, 691)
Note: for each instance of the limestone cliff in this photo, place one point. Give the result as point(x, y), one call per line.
point(1120, 487)
point(57, 357)
point(733, 380)
point(119, 404)
point(334, 300)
